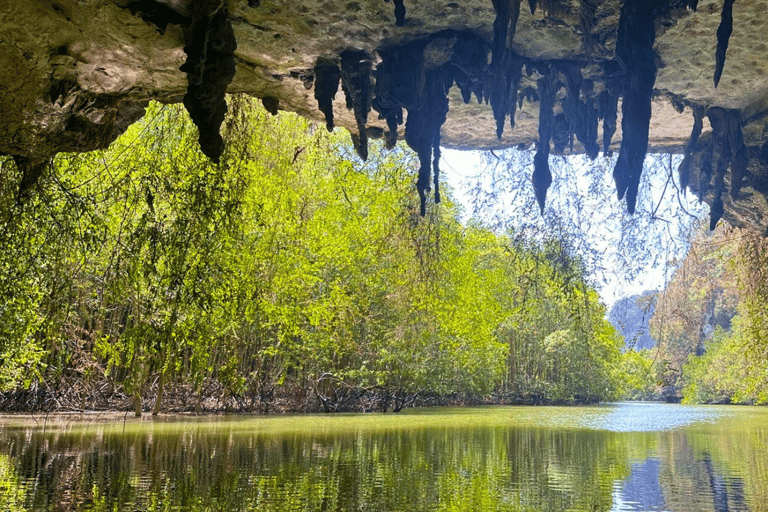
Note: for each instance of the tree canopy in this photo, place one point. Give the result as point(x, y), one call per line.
point(710, 321)
point(291, 275)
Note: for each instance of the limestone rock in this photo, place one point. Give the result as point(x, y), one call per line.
point(74, 74)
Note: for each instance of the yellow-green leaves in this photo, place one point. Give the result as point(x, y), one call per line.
point(291, 272)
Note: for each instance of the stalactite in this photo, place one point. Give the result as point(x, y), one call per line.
point(210, 67)
point(684, 170)
point(504, 28)
point(399, 12)
point(506, 69)
point(469, 59)
point(406, 79)
point(327, 78)
point(422, 130)
point(740, 157)
point(723, 37)
point(570, 103)
point(721, 155)
point(271, 104)
point(704, 172)
point(586, 128)
point(634, 49)
point(503, 93)
point(608, 104)
point(396, 85)
point(542, 177)
point(727, 149)
point(356, 81)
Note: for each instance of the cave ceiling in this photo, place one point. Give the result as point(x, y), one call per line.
point(560, 76)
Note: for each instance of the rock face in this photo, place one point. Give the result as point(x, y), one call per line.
point(631, 316)
point(571, 76)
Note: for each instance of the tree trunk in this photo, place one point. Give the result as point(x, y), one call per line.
point(160, 392)
point(137, 403)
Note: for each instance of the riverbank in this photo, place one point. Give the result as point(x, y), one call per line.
point(101, 396)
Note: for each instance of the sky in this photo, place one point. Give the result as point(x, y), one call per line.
point(626, 254)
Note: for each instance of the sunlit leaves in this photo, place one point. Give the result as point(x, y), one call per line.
point(291, 272)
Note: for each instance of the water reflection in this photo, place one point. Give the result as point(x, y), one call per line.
point(649, 488)
point(481, 459)
point(642, 489)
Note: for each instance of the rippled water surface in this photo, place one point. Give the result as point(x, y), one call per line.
point(609, 458)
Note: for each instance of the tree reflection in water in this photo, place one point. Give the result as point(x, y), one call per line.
point(447, 460)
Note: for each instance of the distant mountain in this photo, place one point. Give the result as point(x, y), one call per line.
point(631, 316)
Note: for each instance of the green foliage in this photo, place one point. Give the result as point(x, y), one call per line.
point(703, 293)
point(562, 349)
point(712, 378)
point(711, 321)
point(636, 374)
point(291, 270)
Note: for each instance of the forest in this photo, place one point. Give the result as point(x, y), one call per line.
point(711, 322)
point(292, 276)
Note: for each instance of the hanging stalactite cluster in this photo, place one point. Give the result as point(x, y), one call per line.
point(357, 83)
point(416, 77)
point(710, 161)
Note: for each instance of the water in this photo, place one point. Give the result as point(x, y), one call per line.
point(622, 457)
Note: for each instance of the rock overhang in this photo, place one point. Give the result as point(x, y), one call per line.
point(78, 73)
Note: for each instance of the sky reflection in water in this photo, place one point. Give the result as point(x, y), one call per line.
point(622, 457)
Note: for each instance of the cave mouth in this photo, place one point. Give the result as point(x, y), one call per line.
point(405, 76)
point(408, 84)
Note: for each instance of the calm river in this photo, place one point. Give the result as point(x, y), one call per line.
point(606, 458)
